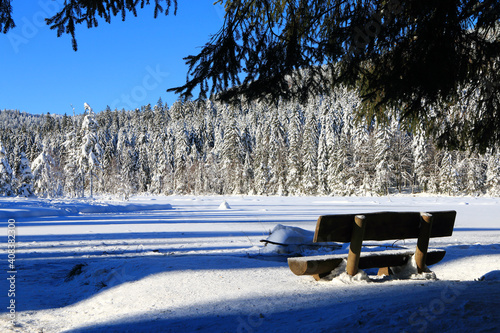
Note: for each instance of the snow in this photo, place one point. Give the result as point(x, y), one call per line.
point(224, 205)
point(165, 264)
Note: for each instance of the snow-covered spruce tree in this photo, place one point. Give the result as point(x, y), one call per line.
point(403, 158)
point(422, 161)
point(232, 158)
point(323, 162)
point(169, 181)
point(262, 172)
point(278, 152)
point(90, 150)
point(73, 185)
point(182, 149)
point(247, 177)
point(110, 162)
point(331, 126)
point(310, 144)
point(383, 161)
point(474, 174)
point(448, 174)
point(144, 152)
point(15, 162)
point(158, 161)
point(493, 174)
point(44, 175)
point(25, 177)
point(295, 131)
point(363, 169)
point(127, 178)
point(341, 179)
point(129, 162)
point(6, 173)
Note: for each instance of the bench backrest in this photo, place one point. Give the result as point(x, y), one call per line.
point(382, 226)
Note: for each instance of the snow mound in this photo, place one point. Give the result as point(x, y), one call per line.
point(410, 271)
point(290, 235)
point(286, 239)
point(293, 240)
point(224, 206)
point(339, 275)
point(491, 276)
point(345, 278)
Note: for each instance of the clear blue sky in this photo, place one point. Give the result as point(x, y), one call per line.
point(122, 64)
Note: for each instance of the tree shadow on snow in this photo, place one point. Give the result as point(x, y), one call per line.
point(438, 306)
point(45, 283)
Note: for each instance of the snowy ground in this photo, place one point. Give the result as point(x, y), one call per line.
point(160, 264)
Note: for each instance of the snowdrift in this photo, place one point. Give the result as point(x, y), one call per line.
point(23, 208)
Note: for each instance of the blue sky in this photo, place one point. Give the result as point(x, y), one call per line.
point(122, 64)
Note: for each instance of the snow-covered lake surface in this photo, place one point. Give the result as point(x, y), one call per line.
point(161, 264)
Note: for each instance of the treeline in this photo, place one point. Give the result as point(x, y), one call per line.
point(188, 148)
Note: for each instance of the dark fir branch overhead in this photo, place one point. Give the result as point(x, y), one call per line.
point(415, 58)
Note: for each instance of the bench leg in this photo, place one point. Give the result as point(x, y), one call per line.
point(384, 271)
point(423, 242)
point(318, 277)
point(358, 232)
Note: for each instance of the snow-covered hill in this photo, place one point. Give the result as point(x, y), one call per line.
point(168, 264)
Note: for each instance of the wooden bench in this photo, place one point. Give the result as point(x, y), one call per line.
point(355, 228)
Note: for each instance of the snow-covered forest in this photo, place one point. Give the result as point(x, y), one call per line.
point(282, 149)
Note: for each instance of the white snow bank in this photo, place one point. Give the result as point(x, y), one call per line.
point(14, 213)
point(21, 208)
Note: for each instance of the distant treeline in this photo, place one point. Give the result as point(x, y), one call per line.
point(211, 148)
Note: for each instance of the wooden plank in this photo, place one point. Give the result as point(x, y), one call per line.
point(320, 265)
point(382, 226)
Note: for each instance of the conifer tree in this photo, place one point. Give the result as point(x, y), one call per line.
point(448, 174)
point(261, 169)
point(311, 146)
point(6, 173)
point(90, 150)
point(295, 131)
point(383, 160)
point(493, 174)
point(232, 155)
point(25, 177)
point(43, 168)
point(421, 160)
point(73, 185)
point(278, 151)
point(181, 152)
point(323, 161)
